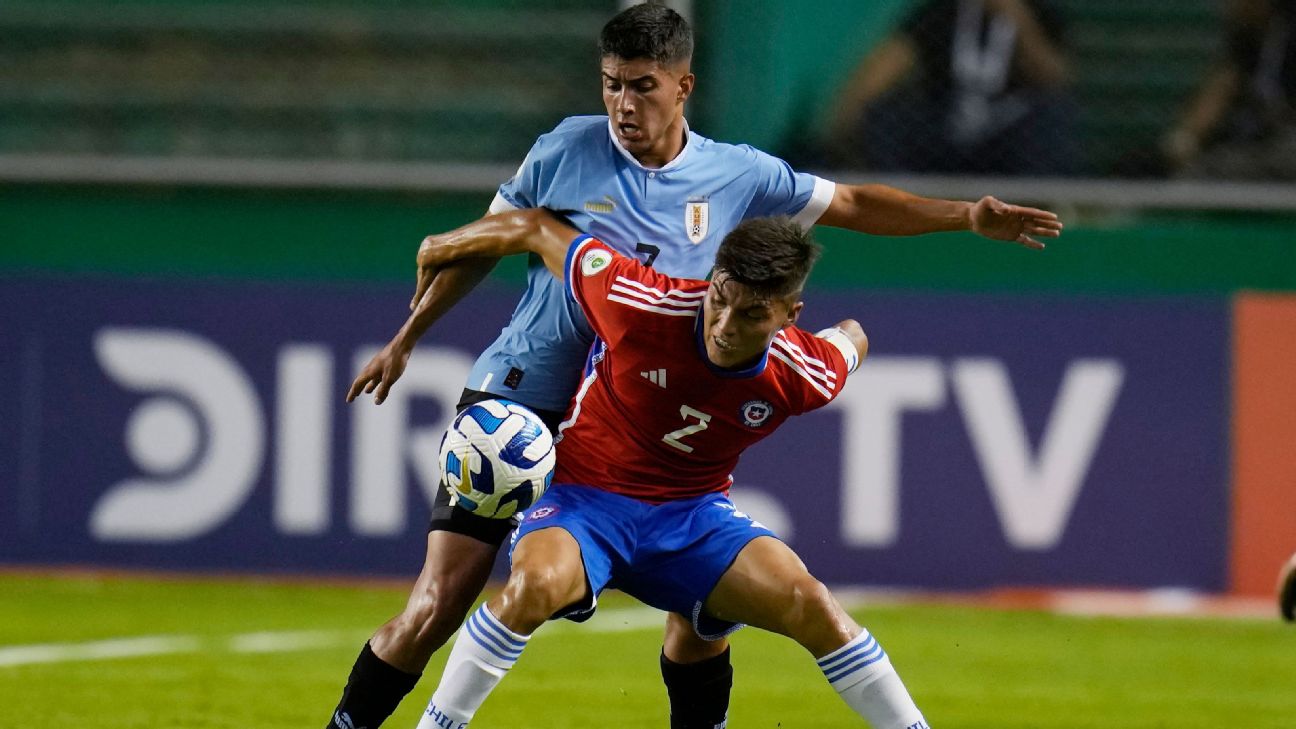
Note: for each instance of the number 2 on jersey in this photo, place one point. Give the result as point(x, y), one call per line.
point(672, 438)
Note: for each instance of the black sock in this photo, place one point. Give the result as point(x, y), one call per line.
point(372, 692)
point(699, 692)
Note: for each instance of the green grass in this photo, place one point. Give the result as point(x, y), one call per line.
point(967, 667)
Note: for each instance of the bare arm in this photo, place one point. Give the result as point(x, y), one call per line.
point(450, 265)
point(884, 210)
point(535, 231)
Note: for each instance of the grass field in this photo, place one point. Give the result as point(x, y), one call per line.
point(80, 651)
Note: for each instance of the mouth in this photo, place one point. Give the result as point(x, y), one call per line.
point(722, 345)
point(630, 132)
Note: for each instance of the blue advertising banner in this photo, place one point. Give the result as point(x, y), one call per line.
point(987, 441)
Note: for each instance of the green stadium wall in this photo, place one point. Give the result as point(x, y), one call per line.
point(299, 235)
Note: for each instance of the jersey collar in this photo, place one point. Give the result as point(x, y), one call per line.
point(753, 371)
point(679, 158)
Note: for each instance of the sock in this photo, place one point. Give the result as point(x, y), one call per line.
point(483, 653)
point(699, 692)
point(861, 673)
point(372, 692)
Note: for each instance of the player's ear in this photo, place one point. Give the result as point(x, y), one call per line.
point(793, 313)
point(685, 90)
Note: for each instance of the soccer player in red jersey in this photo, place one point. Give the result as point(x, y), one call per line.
point(685, 376)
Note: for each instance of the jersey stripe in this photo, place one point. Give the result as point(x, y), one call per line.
point(827, 377)
point(578, 244)
point(657, 309)
point(650, 290)
point(576, 406)
point(820, 198)
point(819, 388)
point(650, 299)
point(796, 348)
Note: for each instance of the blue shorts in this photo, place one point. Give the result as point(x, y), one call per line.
point(669, 556)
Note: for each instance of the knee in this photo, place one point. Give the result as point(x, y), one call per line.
point(535, 592)
point(436, 609)
point(813, 614)
point(681, 643)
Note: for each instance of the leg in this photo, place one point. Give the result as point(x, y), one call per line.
point(768, 586)
point(547, 576)
point(454, 572)
point(698, 676)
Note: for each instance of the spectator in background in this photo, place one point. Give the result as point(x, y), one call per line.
point(989, 97)
point(1242, 121)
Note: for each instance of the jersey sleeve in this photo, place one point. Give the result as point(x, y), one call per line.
point(591, 274)
point(780, 190)
point(817, 367)
point(536, 173)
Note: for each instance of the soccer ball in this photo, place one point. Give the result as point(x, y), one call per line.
point(497, 458)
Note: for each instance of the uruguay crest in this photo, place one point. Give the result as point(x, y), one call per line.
point(697, 214)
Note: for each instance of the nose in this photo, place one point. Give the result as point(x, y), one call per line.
point(624, 104)
point(725, 323)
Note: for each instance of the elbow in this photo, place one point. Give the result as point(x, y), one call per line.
point(528, 224)
point(857, 335)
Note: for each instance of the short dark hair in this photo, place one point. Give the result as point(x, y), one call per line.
point(649, 31)
point(771, 256)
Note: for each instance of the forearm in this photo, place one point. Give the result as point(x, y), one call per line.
point(449, 286)
point(884, 210)
point(495, 236)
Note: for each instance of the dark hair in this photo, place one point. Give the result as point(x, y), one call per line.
point(771, 256)
point(649, 31)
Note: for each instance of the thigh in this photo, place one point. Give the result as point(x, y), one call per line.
point(755, 589)
point(684, 548)
point(599, 523)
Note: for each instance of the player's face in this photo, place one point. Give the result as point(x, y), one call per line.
point(738, 324)
point(645, 101)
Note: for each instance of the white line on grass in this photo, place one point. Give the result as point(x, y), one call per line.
point(24, 655)
point(604, 621)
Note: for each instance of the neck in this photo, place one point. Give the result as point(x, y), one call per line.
point(672, 144)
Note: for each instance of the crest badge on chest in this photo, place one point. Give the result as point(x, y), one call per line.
point(697, 214)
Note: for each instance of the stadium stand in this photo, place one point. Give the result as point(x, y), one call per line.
point(1136, 64)
point(475, 79)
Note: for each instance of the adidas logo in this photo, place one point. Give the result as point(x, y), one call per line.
point(657, 376)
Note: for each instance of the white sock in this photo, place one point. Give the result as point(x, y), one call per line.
point(861, 673)
point(482, 654)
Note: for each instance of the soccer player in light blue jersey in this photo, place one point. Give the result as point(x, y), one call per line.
point(641, 180)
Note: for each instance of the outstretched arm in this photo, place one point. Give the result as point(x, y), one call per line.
point(517, 231)
point(883, 210)
point(452, 263)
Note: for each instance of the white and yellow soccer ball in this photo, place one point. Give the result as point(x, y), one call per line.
point(497, 458)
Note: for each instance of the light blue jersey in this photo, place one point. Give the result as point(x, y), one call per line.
point(674, 217)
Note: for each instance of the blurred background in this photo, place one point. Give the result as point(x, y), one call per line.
point(209, 211)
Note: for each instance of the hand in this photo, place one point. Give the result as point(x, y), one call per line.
point(381, 372)
point(998, 220)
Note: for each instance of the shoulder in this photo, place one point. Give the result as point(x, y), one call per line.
point(739, 153)
point(575, 132)
point(809, 362)
point(593, 265)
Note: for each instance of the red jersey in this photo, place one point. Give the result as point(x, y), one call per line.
point(654, 419)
